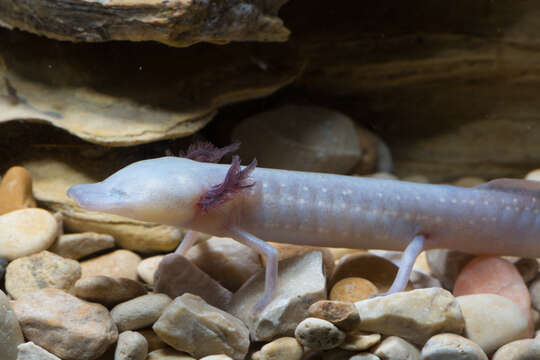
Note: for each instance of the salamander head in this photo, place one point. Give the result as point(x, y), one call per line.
point(162, 190)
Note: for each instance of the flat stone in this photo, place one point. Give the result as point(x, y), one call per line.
point(119, 263)
point(445, 265)
point(396, 348)
point(452, 347)
point(42, 270)
point(342, 314)
point(10, 331)
point(176, 275)
point(353, 289)
point(328, 141)
point(285, 348)
point(414, 315)
point(205, 330)
point(76, 246)
point(168, 354)
point(225, 260)
point(139, 312)
point(301, 283)
point(147, 268)
point(16, 190)
point(25, 232)
point(492, 320)
point(108, 291)
point(31, 351)
point(62, 324)
point(318, 334)
point(131, 346)
point(527, 349)
point(359, 341)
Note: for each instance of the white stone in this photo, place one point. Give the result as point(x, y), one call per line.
point(131, 346)
point(396, 348)
point(31, 351)
point(452, 347)
point(147, 267)
point(318, 334)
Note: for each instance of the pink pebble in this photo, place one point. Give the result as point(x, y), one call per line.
point(493, 275)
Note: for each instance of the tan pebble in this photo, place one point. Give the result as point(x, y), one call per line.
point(147, 268)
point(205, 330)
point(286, 251)
point(413, 315)
point(140, 312)
point(131, 346)
point(154, 342)
point(76, 246)
point(216, 357)
point(452, 346)
point(285, 348)
point(318, 334)
point(25, 232)
point(225, 260)
point(469, 181)
point(352, 289)
point(492, 320)
point(31, 351)
point(527, 349)
point(16, 190)
point(394, 347)
point(359, 340)
point(108, 291)
point(42, 270)
point(533, 175)
point(74, 329)
point(168, 354)
point(340, 313)
point(119, 263)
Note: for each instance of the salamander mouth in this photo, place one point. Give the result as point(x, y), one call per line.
point(92, 197)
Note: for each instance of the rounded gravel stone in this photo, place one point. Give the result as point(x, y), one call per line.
point(318, 334)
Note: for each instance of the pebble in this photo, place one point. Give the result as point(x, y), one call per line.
point(3, 265)
point(16, 190)
point(69, 328)
point(534, 291)
point(421, 280)
point(527, 349)
point(168, 354)
point(352, 289)
point(527, 267)
point(25, 232)
point(42, 270)
point(445, 265)
point(492, 320)
point(338, 253)
point(76, 246)
point(385, 175)
point(318, 334)
point(452, 347)
point(301, 282)
point(342, 314)
point(216, 357)
point(365, 356)
point(225, 260)
point(285, 348)
point(176, 275)
point(131, 346)
point(31, 351)
point(307, 138)
point(395, 348)
point(378, 270)
point(469, 181)
point(372, 159)
point(286, 251)
point(414, 315)
point(107, 290)
point(359, 340)
point(147, 268)
point(119, 263)
point(10, 331)
point(139, 312)
point(533, 175)
point(205, 330)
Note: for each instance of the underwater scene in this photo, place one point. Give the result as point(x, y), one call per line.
point(269, 180)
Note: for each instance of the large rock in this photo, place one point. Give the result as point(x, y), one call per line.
point(10, 332)
point(301, 283)
point(191, 325)
point(414, 315)
point(62, 324)
point(176, 22)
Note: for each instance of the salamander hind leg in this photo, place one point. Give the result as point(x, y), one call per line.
point(271, 255)
point(410, 254)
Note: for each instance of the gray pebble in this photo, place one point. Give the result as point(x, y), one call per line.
point(452, 347)
point(527, 349)
point(319, 334)
point(139, 312)
point(131, 346)
point(31, 351)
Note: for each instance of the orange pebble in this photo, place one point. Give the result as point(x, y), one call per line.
point(16, 190)
point(353, 289)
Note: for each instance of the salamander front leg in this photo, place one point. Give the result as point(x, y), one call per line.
point(406, 264)
point(271, 255)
